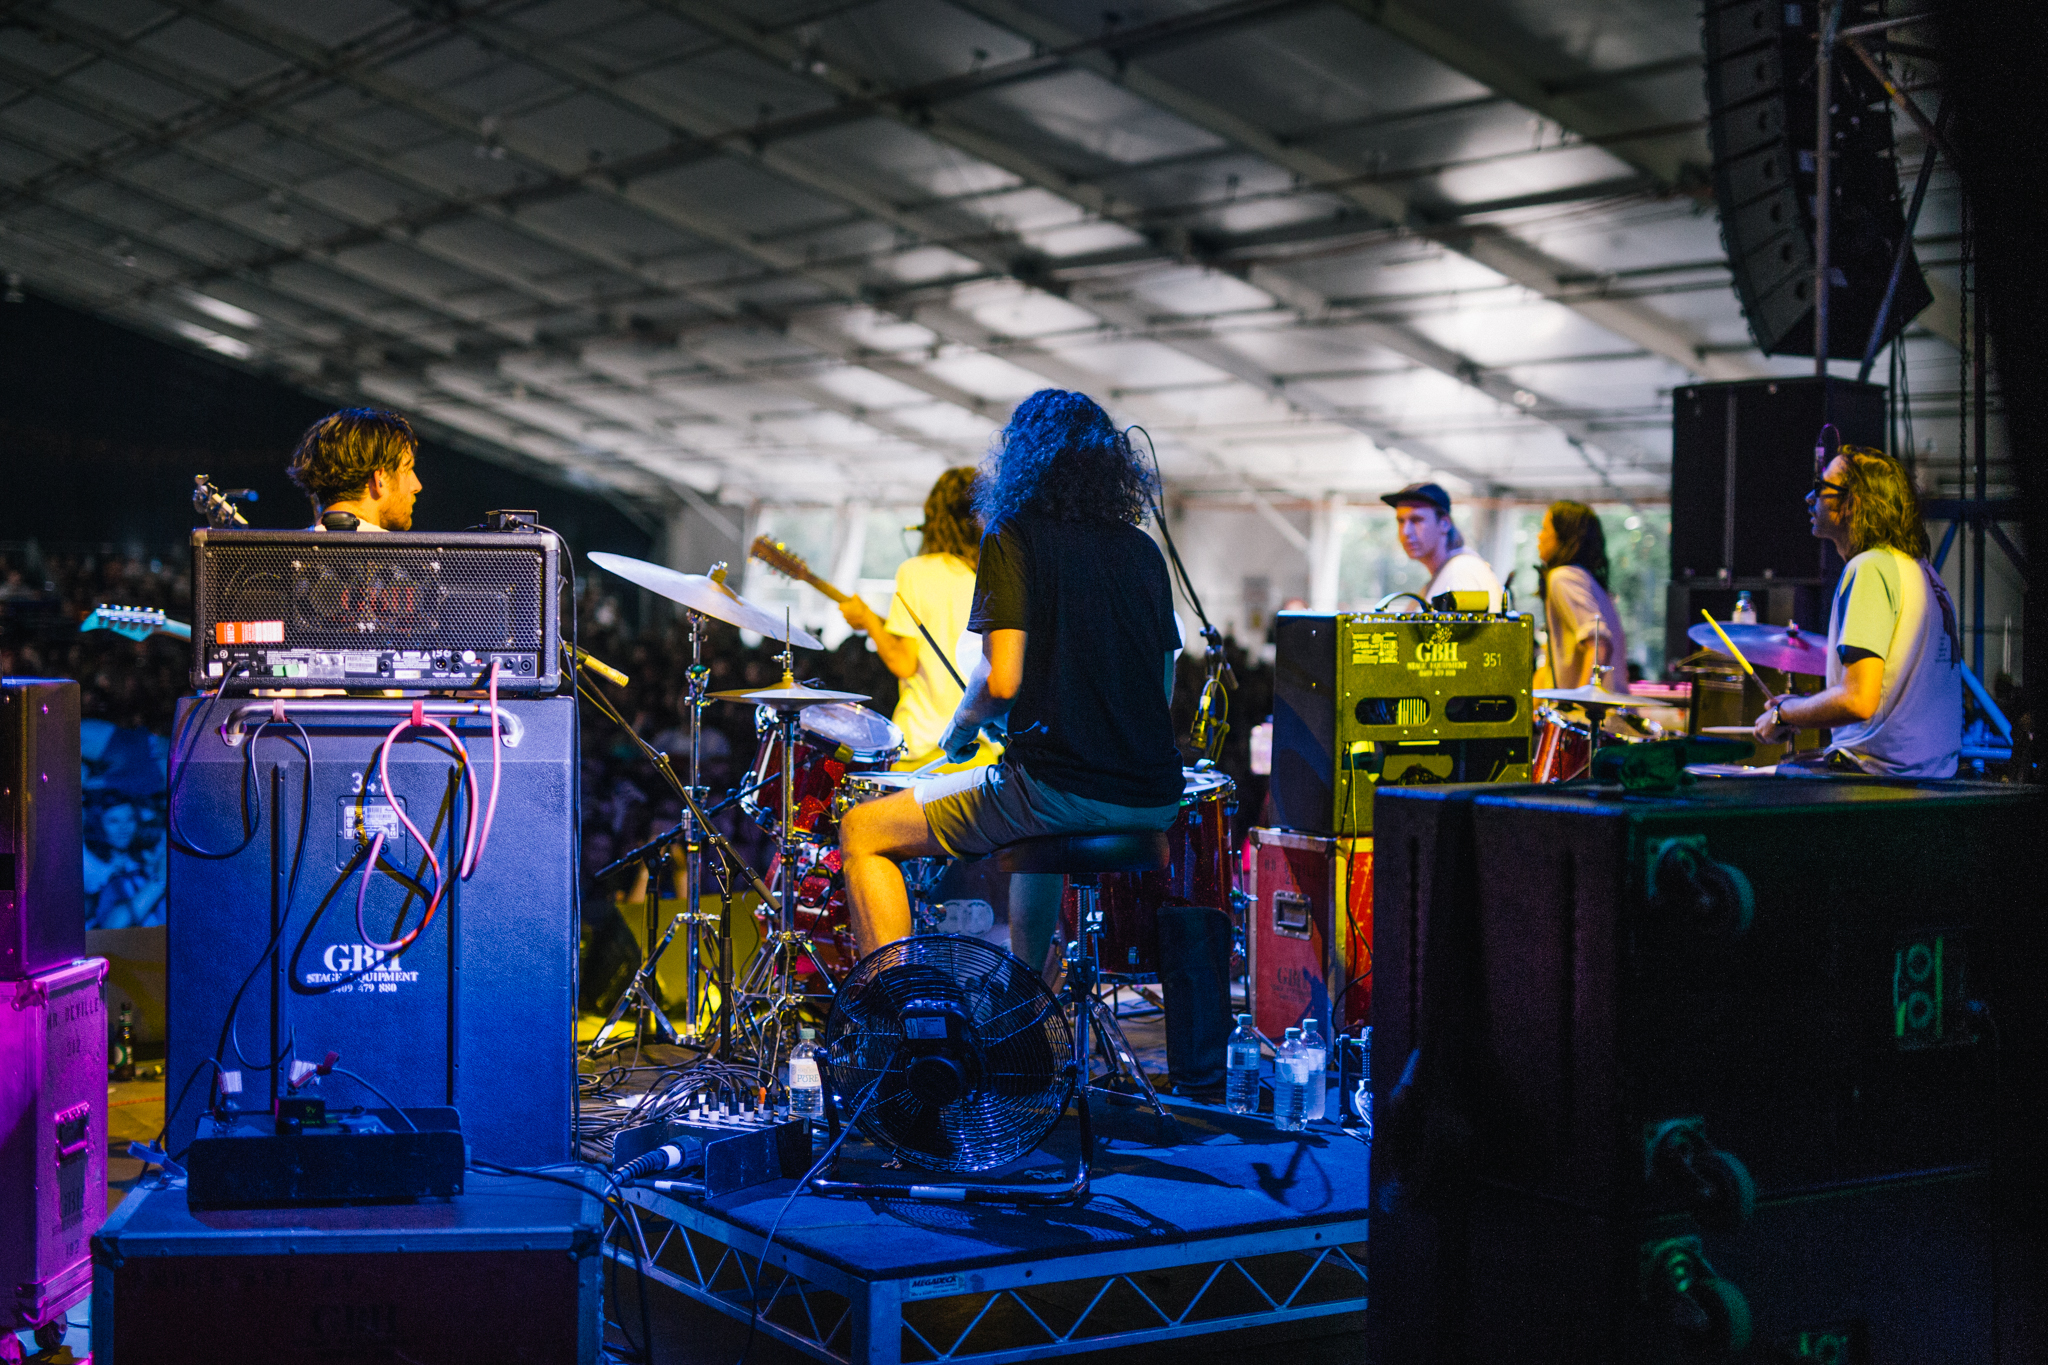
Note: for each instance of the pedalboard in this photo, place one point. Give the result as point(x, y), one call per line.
point(304, 1155)
point(736, 1149)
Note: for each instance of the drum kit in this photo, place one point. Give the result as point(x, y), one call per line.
point(820, 753)
point(1565, 742)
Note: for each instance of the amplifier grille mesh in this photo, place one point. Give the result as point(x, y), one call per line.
point(353, 595)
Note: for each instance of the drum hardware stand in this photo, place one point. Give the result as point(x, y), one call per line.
point(1126, 1079)
point(772, 976)
point(695, 830)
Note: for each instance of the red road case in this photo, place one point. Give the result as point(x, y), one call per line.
point(1303, 957)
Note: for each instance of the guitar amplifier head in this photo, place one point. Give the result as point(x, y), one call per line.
point(410, 611)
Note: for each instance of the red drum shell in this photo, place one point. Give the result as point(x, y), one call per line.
point(1564, 749)
point(1200, 874)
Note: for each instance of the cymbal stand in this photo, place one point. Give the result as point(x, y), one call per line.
point(697, 831)
point(772, 976)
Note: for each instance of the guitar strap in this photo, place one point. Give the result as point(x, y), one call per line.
point(943, 658)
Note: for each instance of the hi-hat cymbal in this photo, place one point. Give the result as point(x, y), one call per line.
point(705, 596)
point(1591, 696)
point(1785, 648)
point(788, 695)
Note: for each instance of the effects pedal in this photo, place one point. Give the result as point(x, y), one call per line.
point(735, 1150)
point(303, 1155)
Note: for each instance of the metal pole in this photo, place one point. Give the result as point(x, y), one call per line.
point(1823, 178)
point(693, 850)
point(1891, 288)
point(1981, 509)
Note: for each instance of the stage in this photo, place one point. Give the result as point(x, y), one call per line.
point(1240, 1226)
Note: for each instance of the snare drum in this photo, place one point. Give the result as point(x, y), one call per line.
point(1564, 748)
point(859, 787)
point(837, 738)
point(1198, 875)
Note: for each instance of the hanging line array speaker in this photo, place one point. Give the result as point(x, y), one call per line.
point(1763, 124)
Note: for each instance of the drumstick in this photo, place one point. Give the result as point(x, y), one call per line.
point(1751, 672)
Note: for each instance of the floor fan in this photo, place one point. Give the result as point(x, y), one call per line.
point(953, 1055)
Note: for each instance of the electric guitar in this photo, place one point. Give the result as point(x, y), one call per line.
point(786, 562)
point(136, 623)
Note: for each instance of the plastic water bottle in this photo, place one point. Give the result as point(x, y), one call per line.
point(1317, 1049)
point(1745, 610)
point(1290, 1084)
point(1241, 1069)
point(806, 1086)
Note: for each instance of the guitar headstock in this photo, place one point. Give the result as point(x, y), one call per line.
point(780, 558)
point(134, 623)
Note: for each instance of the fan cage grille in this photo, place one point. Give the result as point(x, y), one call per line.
point(1017, 1041)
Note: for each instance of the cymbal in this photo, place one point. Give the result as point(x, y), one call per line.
point(788, 695)
point(1590, 695)
point(706, 596)
point(1785, 648)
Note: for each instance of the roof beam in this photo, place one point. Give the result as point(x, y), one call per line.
point(1494, 248)
point(1576, 104)
point(298, 50)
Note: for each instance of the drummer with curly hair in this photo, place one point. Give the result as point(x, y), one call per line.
point(1078, 641)
point(1894, 694)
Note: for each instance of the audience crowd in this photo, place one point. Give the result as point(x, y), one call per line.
point(129, 691)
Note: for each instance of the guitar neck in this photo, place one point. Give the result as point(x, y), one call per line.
point(789, 566)
point(822, 586)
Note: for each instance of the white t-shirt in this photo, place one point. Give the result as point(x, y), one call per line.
point(1464, 571)
point(940, 590)
point(1893, 606)
point(1576, 610)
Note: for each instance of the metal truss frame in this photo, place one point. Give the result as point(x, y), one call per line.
point(997, 1315)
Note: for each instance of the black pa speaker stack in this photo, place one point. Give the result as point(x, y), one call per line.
point(1748, 1071)
point(1763, 125)
point(42, 877)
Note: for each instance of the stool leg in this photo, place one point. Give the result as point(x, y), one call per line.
point(1084, 974)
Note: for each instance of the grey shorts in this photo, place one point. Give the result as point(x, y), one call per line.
point(980, 809)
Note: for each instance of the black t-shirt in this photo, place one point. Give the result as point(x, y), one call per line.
point(1091, 717)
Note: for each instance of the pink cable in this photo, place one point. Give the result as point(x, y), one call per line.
point(418, 720)
point(475, 855)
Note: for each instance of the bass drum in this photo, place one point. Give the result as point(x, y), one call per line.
point(836, 738)
point(1200, 874)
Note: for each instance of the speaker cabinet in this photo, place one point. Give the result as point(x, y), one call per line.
point(42, 867)
point(1763, 129)
point(1756, 1043)
point(1741, 465)
point(478, 1013)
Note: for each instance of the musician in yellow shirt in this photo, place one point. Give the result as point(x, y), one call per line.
point(933, 590)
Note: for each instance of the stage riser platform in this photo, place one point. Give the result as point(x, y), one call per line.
point(1240, 1228)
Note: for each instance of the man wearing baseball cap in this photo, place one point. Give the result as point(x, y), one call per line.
point(1422, 513)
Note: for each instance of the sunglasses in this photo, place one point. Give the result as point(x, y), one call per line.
point(1823, 489)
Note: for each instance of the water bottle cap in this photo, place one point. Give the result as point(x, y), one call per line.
point(805, 1035)
point(1293, 1033)
point(1244, 1021)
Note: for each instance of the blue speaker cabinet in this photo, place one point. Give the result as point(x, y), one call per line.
point(478, 1013)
